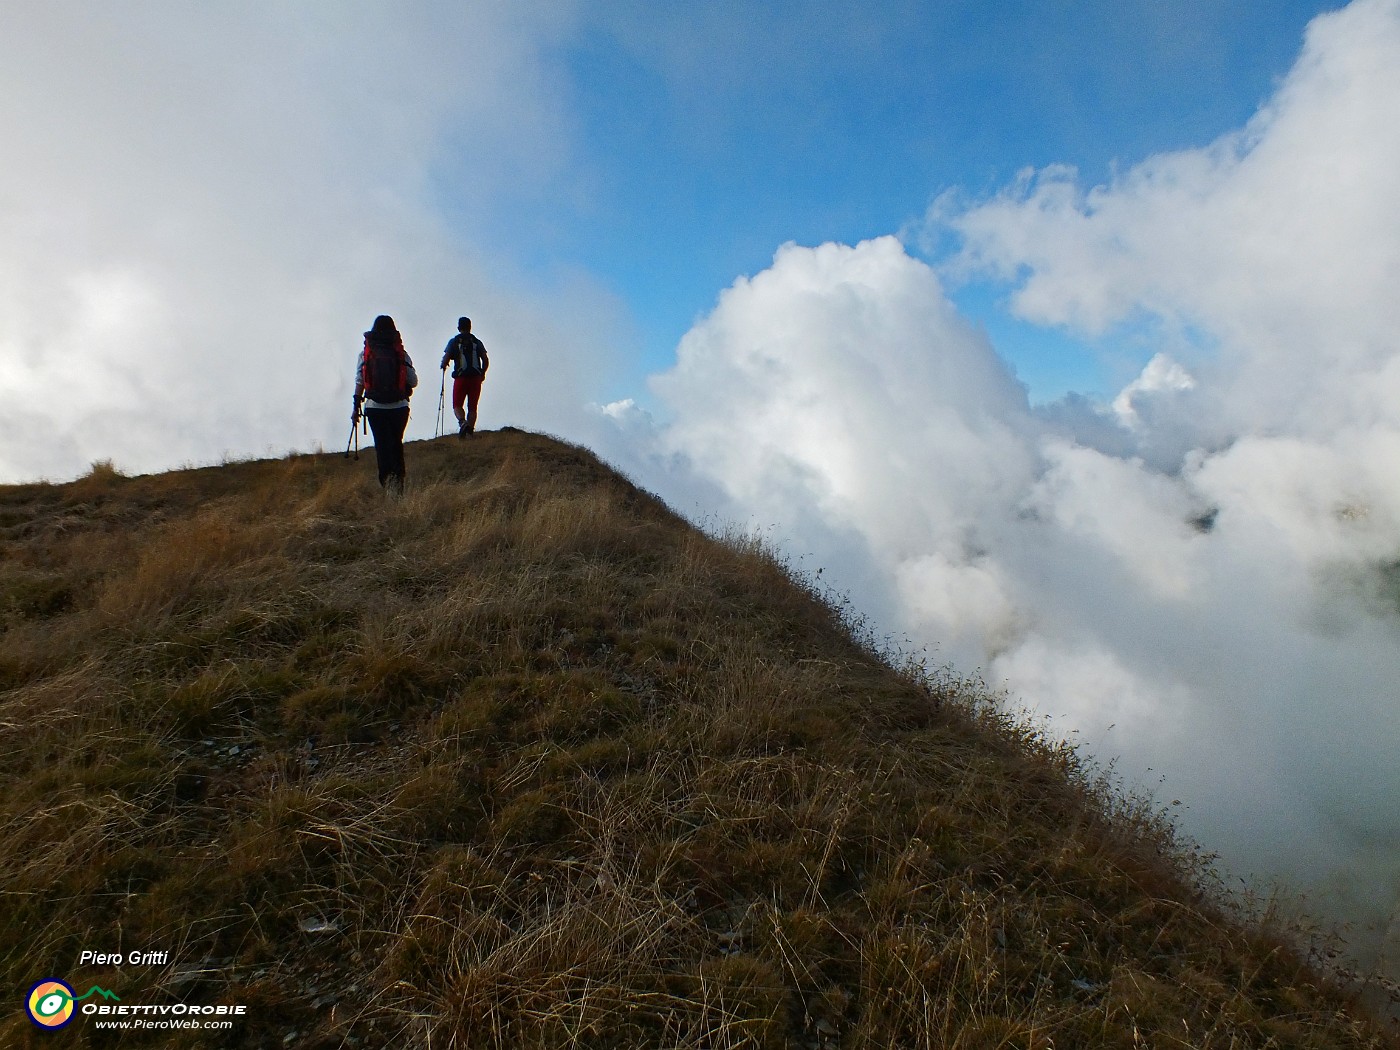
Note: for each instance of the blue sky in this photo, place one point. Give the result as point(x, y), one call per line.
point(703, 138)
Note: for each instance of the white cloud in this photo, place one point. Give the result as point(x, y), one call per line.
point(1210, 564)
point(1161, 376)
point(773, 392)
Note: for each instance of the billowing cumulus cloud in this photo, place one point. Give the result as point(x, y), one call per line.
point(1201, 576)
point(786, 370)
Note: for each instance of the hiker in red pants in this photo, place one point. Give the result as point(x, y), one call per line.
point(469, 364)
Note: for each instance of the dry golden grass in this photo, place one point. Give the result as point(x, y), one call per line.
point(523, 760)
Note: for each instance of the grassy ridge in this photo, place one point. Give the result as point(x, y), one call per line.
point(523, 760)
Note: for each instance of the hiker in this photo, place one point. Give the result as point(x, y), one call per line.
point(469, 364)
point(384, 381)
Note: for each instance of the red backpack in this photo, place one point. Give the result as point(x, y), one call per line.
point(384, 372)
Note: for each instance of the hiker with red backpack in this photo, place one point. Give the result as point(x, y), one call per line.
point(469, 364)
point(384, 381)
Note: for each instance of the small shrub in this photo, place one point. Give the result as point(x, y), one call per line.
point(536, 818)
point(442, 802)
point(36, 597)
point(328, 711)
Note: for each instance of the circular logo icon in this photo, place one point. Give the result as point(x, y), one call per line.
point(50, 1003)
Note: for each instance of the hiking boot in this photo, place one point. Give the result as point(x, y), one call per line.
point(462, 430)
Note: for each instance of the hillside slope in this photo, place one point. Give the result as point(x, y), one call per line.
point(524, 760)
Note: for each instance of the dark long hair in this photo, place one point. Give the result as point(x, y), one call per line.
point(383, 333)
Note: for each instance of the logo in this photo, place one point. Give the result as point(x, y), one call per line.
point(50, 1002)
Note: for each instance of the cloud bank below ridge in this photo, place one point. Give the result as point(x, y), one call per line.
point(1203, 578)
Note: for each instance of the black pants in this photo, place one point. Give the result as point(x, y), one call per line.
point(388, 425)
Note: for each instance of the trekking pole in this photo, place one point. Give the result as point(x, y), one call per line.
point(353, 424)
point(442, 390)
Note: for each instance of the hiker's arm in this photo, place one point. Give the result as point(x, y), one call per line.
point(447, 354)
point(359, 388)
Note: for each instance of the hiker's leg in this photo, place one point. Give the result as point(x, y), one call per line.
point(382, 429)
point(397, 423)
point(473, 396)
point(459, 393)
